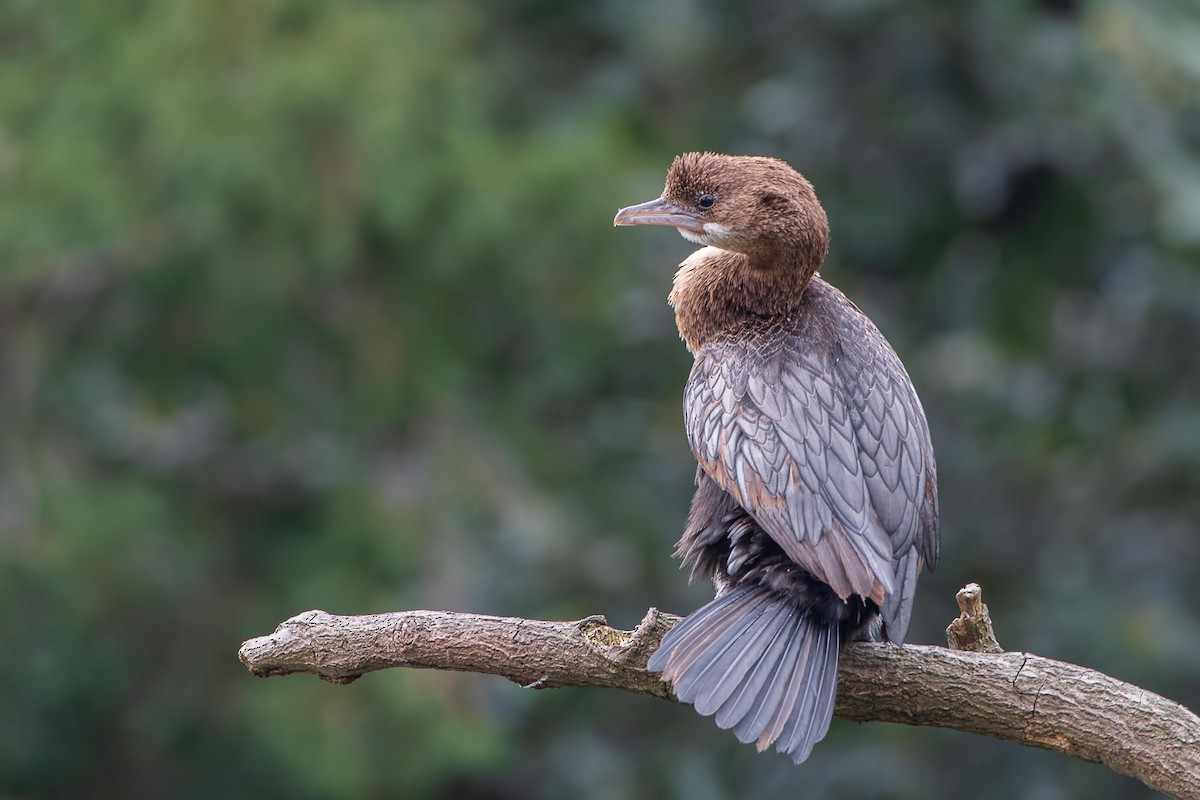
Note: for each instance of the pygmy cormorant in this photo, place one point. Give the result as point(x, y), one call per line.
point(816, 501)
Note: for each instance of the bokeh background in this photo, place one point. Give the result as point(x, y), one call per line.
point(318, 305)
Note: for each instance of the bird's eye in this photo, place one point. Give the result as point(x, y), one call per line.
point(706, 201)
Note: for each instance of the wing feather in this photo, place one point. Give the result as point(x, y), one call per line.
point(828, 449)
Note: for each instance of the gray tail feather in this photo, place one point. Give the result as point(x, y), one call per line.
point(764, 668)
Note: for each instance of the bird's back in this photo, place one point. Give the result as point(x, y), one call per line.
point(810, 423)
point(815, 508)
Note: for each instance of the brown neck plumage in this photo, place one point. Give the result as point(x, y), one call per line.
point(716, 290)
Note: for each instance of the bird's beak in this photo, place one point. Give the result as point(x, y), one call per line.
point(660, 212)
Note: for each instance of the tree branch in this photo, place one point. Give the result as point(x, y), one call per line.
point(1012, 696)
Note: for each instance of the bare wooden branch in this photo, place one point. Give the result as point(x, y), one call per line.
point(532, 653)
point(1012, 696)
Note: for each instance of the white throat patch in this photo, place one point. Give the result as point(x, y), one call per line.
point(714, 234)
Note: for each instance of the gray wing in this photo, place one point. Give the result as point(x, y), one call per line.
point(896, 456)
point(834, 469)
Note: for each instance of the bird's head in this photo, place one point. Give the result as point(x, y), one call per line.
point(757, 206)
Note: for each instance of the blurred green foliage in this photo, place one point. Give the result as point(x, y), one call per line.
point(317, 305)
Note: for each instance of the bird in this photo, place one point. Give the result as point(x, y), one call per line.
point(816, 500)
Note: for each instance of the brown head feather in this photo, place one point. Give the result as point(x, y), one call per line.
point(760, 207)
point(767, 235)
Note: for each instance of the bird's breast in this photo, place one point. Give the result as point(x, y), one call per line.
point(709, 295)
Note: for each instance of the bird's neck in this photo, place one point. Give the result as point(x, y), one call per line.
point(716, 290)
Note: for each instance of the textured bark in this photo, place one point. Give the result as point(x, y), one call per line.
point(1012, 696)
point(533, 653)
point(973, 628)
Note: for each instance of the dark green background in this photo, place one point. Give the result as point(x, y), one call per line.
point(318, 305)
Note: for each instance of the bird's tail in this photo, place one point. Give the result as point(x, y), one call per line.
point(764, 668)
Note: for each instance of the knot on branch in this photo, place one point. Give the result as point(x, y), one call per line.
point(972, 631)
point(631, 649)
